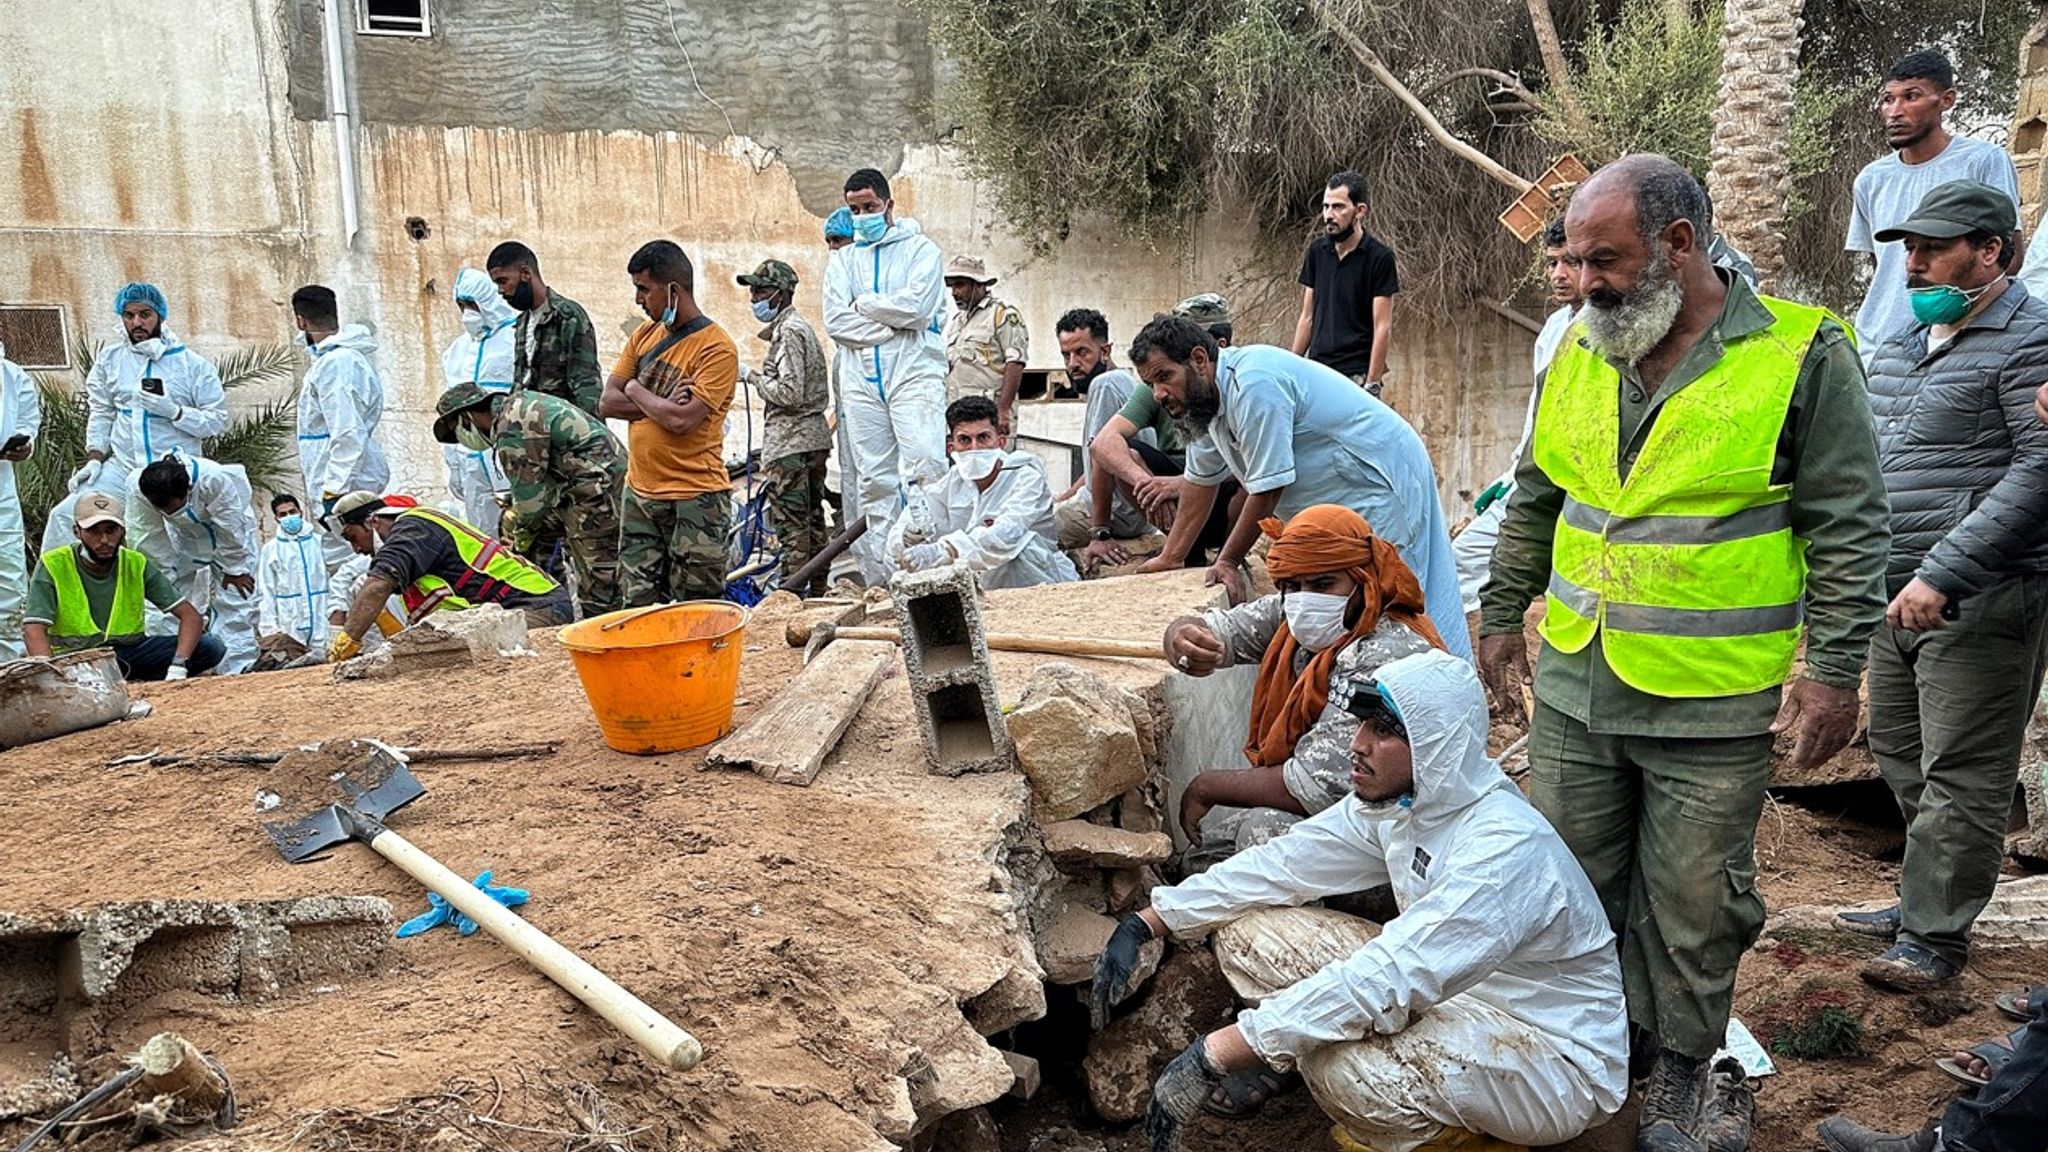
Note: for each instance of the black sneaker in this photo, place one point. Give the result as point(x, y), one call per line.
point(1841, 1134)
point(1673, 1100)
point(1910, 968)
point(1882, 924)
point(1731, 1107)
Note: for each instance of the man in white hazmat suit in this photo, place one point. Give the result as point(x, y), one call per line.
point(195, 519)
point(291, 580)
point(885, 305)
point(992, 512)
point(340, 402)
point(482, 355)
point(145, 396)
point(1491, 1004)
point(21, 418)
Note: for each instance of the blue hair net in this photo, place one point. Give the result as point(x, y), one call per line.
point(140, 293)
point(839, 223)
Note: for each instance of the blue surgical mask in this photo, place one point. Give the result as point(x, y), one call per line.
point(1944, 303)
point(668, 315)
point(764, 310)
point(292, 525)
point(868, 227)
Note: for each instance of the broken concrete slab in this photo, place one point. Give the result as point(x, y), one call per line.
point(2017, 913)
point(1187, 999)
point(788, 740)
point(1077, 842)
point(484, 633)
point(1077, 740)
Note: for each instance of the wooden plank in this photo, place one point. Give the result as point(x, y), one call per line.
point(788, 740)
point(1025, 1069)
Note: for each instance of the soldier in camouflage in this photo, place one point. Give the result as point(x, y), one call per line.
point(565, 467)
point(793, 386)
point(555, 345)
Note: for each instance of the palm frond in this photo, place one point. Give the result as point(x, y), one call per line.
point(264, 443)
point(84, 350)
point(257, 364)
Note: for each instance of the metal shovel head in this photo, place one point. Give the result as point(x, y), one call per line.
point(390, 786)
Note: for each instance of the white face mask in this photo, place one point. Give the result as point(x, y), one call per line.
point(474, 324)
point(977, 463)
point(1315, 618)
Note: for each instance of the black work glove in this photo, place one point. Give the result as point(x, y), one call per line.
point(1178, 1094)
point(1113, 968)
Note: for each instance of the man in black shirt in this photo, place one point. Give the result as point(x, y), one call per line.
point(1347, 289)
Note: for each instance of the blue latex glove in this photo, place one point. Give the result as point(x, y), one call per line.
point(441, 912)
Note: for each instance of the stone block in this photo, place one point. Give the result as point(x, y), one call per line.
point(1187, 999)
point(952, 687)
point(1076, 741)
point(2017, 913)
point(1138, 809)
point(476, 635)
point(1129, 889)
point(1077, 842)
point(1072, 941)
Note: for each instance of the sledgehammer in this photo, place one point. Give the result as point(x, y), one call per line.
point(823, 634)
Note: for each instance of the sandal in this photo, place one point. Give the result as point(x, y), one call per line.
point(2009, 1003)
point(1244, 1093)
point(1996, 1053)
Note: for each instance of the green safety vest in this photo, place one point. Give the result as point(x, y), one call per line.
point(74, 628)
point(1689, 568)
point(492, 572)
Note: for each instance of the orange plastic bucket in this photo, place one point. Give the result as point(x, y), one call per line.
point(660, 679)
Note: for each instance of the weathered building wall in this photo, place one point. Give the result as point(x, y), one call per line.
point(181, 142)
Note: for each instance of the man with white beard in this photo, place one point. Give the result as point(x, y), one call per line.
point(1702, 488)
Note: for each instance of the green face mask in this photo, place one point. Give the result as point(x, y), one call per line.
point(470, 438)
point(1944, 303)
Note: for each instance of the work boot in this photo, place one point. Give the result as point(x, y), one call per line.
point(1908, 967)
point(1883, 923)
point(1673, 1099)
point(1731, 1107)
point(1841, 1134)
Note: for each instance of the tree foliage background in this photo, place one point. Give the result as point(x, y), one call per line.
point(1150, 111)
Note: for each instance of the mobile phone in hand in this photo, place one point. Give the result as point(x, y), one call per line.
point(152, 385)
point(13, 444)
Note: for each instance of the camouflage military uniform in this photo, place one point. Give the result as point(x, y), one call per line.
point(555, 351)
point(794, 388)
point(566, 468)
point(674, 549)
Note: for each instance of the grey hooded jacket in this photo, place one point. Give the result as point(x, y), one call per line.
point(1965, 460)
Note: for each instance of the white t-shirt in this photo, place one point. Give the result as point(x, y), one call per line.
point(1887, 191)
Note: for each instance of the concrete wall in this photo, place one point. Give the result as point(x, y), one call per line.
point(181, 141)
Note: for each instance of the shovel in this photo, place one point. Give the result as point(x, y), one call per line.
point(362, 818)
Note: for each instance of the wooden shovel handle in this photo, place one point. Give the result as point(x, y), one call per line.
point(656, 1034)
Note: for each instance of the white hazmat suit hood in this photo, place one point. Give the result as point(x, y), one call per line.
point(1445, 714)
point(485, 360)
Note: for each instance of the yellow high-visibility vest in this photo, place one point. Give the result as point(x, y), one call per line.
point(74, 628)
point(1688, 570)
point(494, 571)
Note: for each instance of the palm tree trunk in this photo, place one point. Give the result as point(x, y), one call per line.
point(1750, 169)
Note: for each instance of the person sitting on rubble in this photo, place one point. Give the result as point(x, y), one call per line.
point(1489, 1007)
point(991, 512)
point(437, 562)
point(1347, 604)
point(91, 594)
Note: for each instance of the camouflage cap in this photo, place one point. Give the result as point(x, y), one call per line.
point(771, 274)
point(1208, 308)
point(454, 402)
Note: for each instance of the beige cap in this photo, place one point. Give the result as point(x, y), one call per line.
point(96, 507)
point(968, 268)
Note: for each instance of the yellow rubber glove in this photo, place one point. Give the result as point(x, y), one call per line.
point(342, 647)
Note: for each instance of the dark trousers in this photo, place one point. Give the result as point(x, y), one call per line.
point(150, 657)
point(1948, 714)
point(2010, 1113)
point(1216, 529)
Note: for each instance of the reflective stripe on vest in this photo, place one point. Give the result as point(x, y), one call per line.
point(1688, 570)
point(74, 628)
point(492, 573)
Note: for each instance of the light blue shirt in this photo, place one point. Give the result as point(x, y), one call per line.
point(1886, 193)
point(1292, 424)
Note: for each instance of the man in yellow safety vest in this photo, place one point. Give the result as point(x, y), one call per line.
point(91, 595)
point(435, 560)
point(1702, 488)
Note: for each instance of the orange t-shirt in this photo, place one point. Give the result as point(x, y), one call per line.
point(659, 464)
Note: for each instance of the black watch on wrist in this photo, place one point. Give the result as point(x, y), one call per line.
point(1102, 533)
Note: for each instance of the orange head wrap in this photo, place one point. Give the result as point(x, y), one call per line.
point(1325, 538)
